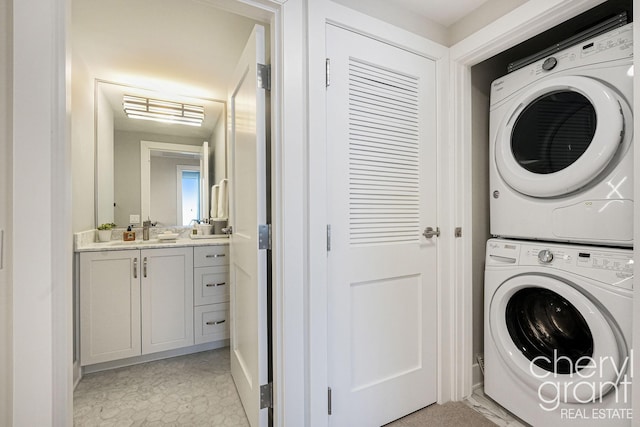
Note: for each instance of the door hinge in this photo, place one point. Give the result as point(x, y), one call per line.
point(264, 76)
point(266, 396)
point(327, 71)
point(458, 232)
point(264, 236)
point(328, 237)
point(329, 400)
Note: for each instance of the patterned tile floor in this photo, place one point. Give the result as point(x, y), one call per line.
point(192, 390)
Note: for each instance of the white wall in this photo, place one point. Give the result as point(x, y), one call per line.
point(127, 170)
point(6, 362)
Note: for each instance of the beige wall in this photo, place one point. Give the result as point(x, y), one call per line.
point(483, 15)
point(219, 150)
point(447, 36)
point(164, 187)
point(82, 147)
point(127, 170)
point(6, 348)
point(409, 21)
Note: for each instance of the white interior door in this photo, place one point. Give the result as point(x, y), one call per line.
point(247, 196)
point(381, 149)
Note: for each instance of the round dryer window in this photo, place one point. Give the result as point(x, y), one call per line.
point(559, 135)
point(555, 339)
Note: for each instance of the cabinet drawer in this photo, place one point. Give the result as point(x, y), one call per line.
point(211, 322)
point(210, 285)
point(210, 256)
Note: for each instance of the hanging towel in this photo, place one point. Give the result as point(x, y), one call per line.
point(215, 190)
point(223, 199)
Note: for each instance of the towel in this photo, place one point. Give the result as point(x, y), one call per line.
point(215, 190)
point(223, 199)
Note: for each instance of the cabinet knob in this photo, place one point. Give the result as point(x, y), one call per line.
point(216, 322)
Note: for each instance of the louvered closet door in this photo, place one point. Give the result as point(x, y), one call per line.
point(382, 273)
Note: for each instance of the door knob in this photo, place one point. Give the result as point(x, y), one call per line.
point(429, 232)
point(227, 230)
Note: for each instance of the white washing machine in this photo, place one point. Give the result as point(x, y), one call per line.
point(557, 332)
point(561, 157)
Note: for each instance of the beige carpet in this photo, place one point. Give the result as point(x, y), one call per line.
point(451, 414)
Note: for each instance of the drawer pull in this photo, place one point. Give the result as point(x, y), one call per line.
point(216, 255)
point(215, 285)
point(216, 322)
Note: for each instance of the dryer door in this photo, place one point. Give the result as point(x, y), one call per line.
point(559, 135)
point(556, 340)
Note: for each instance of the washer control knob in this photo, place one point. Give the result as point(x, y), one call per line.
point(549, 63)
point(545, 256)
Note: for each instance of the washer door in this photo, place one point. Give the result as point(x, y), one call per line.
point(555, 340)
point(559, 135)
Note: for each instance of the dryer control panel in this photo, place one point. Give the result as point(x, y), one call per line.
point(607, 265)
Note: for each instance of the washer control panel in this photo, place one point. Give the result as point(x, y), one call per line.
point(607, 265)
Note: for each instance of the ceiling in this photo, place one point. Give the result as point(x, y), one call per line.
point(163, 46)
point(443, 12)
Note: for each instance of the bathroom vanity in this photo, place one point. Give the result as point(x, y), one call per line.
point(150, 297)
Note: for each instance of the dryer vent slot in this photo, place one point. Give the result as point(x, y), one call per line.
point(600, 28)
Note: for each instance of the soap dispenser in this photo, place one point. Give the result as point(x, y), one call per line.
point(129, 235)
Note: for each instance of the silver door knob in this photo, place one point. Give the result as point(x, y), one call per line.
point(429, 232)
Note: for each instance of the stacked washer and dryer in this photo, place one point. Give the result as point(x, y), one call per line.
point(559, 270)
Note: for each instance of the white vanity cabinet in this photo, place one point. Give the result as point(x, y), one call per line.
point(109, 306)
point(135, 302)
point(211, 293)
point(166, 298)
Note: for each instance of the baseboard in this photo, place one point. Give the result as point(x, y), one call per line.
point(89, 369)
point(77, 373)
point(478, 378)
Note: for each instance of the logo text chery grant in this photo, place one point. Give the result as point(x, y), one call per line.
point(590, 380)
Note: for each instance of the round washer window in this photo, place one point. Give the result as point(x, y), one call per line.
point(549, 330)
point(553, 132)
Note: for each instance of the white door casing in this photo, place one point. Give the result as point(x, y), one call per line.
point(204, 181)
point(381, 171)
point(247, 196)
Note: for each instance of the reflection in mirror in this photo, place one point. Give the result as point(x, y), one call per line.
point(127, 193)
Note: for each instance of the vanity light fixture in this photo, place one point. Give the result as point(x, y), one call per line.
point(137, 107)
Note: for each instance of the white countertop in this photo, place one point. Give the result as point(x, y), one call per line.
point(85, 242)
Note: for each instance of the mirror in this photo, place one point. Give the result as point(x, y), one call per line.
point(165, 192)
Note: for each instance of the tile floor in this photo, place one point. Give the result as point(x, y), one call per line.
point(491, 410)
point(192, 390)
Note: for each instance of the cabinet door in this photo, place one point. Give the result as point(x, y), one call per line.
point(109, 306)
point(167, 299)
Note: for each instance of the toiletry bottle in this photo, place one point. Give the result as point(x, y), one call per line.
point(129, 235)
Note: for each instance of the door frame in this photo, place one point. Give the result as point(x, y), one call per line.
point(522, 23)
point(42, 297)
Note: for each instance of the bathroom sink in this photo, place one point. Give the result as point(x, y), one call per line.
point(139, 242)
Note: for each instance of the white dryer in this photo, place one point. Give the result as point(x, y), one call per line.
point(557, 332)
point(561, 156)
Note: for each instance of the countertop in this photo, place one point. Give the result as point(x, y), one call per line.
point(85, 242)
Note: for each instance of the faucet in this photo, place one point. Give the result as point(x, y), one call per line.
point(145, 229)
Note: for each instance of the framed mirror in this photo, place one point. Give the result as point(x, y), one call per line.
point(174, 187)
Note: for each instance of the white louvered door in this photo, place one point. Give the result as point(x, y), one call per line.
point(381, 148)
